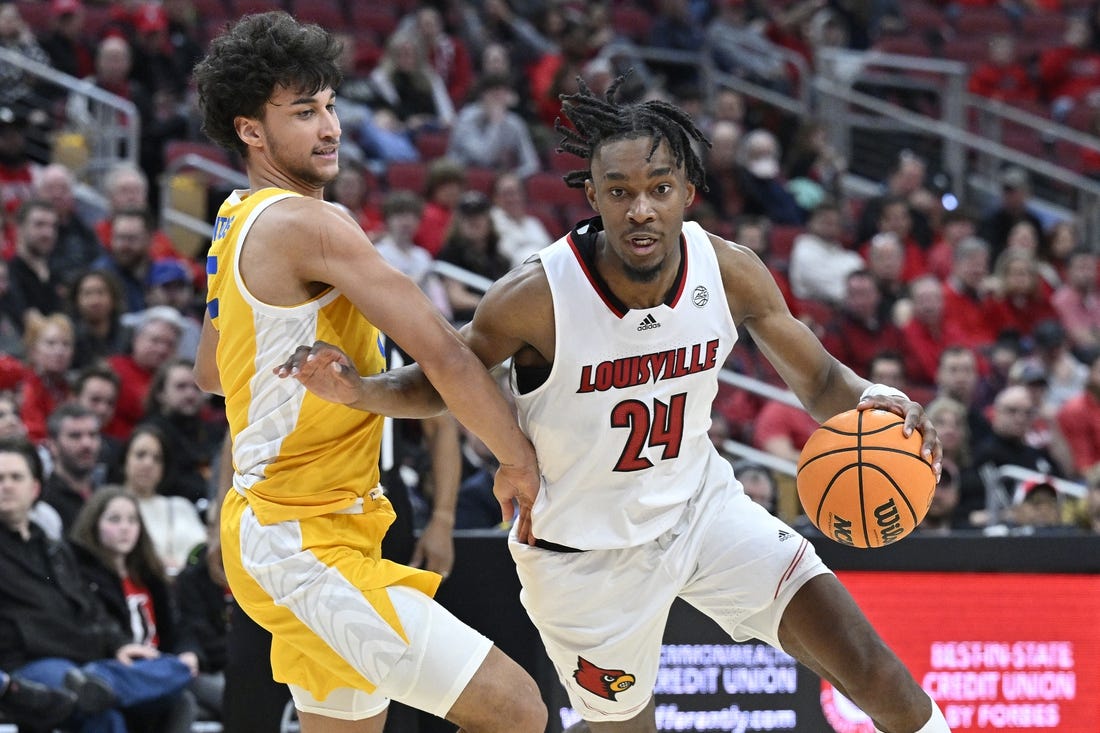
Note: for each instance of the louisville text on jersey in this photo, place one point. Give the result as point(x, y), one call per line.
point(631, 371)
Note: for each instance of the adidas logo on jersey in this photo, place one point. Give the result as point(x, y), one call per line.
point(784, 535)
point(648, 322)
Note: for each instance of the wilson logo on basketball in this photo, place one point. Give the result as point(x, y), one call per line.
point(889, 521)
point(606, 683)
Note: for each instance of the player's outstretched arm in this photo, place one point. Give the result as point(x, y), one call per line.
point(323, 245)
point(331, 374)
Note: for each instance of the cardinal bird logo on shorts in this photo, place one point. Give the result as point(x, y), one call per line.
point(607, 683)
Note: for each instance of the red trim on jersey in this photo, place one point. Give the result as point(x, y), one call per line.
point(683, 272)
point(591, 278)
point(595, 282)
point(790, 568)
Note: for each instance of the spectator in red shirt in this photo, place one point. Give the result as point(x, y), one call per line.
point(155, 340)
point(965, 296)
point(924, 332)
point(126, 187)
point(16, 171)
point(1024, 236)
point(956, 226)
point(896, 218)
point(352, 189)
point(1079, 420)
point(1070, 72)
point(907, 182)
point(65, 42)
point(45, 384)
point(556, 72)
point(1020, 301)
point(445, 52)
point(1077, 301)
point(857, 333)
point(1002, 76)
point(782, 429)
point(445, 184)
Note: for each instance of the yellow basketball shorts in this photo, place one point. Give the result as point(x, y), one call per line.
point(321, 587)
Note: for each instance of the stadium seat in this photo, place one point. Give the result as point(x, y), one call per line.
point(409, 176)
point(1023, 140)
point(246, 7)
point(481, 179)
point(782, 241)
point(176, 149)
point(432, 143)
point(573, 213)
point(969, 50)
point(551, 218)
point(979, 21)
point(632, 21)
point(213, 11)
point(71, 150)
point(377, 17)
point(549, 188)
point(922, 16)
point(1050, 27)
point(96, 20)
point(909, 45)
point(1070, 155)
point(565, 162)
point(37, 16)
point(187, 194)
point(329, 14)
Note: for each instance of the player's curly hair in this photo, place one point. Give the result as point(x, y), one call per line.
point(597, 121)
point(246, 62)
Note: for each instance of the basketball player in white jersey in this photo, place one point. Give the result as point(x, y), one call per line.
point(616, 333)
point(302, 525)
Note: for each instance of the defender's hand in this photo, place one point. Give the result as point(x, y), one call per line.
point(325, 370)
point(520, 483)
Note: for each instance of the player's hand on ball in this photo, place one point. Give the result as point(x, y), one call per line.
point(915, 419)
point(521, 484)
point(324, 370)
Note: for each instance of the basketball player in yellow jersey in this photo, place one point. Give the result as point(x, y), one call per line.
point(302, 524)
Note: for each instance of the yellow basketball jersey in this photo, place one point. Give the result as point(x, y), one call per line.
point(295, 455)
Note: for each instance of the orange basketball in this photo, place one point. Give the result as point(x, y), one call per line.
point(861, 481)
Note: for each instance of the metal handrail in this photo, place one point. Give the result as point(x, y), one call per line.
point(1088, 207)
point(194, 161)
point(106, 134)
point(467, 278)
point(703, 58)
point(1042, 125)
point(946, 130)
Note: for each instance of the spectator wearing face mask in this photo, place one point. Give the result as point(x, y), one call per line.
point(764, 191)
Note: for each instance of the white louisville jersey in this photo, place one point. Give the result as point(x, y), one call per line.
point(620, 424)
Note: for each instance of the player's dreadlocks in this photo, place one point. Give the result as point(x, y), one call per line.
point(598, 121)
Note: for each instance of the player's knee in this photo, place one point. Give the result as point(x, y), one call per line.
point(502, 697)
point(529, 708)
